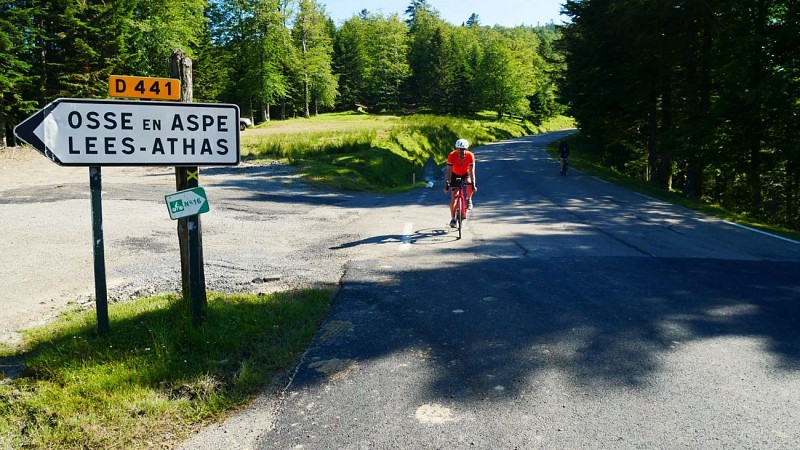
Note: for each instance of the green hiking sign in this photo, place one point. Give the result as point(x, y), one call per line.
point(187, 203)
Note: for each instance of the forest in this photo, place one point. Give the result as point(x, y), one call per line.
point(276, 58)
point(700, 97)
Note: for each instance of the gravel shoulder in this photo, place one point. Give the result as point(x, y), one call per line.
point(255, 238)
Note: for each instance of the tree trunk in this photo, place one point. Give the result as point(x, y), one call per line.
point(699, 106)
point(793, 195)
point(756, 127)
point(190, 239)
point(755, 173)
point(665, 162)
point(3, 142)
point(651, 172)
point(307, 111)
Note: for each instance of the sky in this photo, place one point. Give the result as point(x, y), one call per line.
point(507, 13)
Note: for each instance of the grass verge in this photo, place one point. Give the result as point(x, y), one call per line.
point(586, 162)
point(154, 378)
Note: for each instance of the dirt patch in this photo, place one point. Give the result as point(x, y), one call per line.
point(336, 328)
point(335, 369)
point(434, 414)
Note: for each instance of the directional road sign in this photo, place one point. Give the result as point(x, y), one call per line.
point(187, 203)
point(81, 132)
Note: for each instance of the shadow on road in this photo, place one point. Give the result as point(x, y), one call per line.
point(512, 318)
point(429, 236)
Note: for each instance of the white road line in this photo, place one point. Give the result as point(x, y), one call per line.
point(605, 182)
point(732, 223)
point(762, 232)
point(405, 239)
point(649, 198)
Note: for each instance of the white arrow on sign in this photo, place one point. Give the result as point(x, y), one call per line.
point(81, 132)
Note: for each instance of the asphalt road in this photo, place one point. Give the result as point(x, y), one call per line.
point(574, 314)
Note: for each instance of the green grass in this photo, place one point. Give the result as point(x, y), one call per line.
point(379, 153)
point(586, 162)
point(154, 378)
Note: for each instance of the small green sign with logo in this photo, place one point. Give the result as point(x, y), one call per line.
point(187, 203)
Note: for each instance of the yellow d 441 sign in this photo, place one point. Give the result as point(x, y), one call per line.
point(144, 87)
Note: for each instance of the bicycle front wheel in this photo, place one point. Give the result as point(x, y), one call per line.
point(459, 216)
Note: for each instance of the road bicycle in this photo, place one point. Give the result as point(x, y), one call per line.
point(564, 165)
point(460, 204)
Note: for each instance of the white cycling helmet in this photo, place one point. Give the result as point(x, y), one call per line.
point(462, 143)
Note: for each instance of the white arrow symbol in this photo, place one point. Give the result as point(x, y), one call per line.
point(48, 131)
point(192, 203)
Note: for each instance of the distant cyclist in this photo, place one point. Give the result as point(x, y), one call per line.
point(563, 154)
point(460, 167)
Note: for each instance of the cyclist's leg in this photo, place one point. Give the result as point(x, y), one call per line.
point(452, 182)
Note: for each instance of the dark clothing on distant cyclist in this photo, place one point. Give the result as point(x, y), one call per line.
point(563, 150)
point(563, 155)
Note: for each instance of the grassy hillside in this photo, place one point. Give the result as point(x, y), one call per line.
point(374, 152)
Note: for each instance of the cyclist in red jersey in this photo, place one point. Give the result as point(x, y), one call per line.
point(460, 164)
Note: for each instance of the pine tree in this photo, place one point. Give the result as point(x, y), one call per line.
point(13, 68)
point(314, 46)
